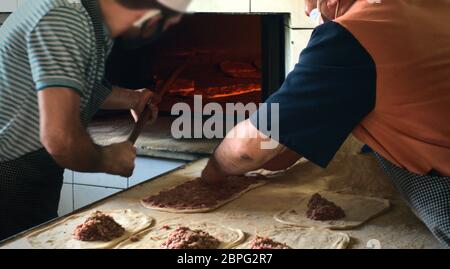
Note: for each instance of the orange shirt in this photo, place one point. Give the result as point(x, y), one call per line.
point(409, 41)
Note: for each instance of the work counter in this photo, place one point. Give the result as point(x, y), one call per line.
point(350, 173)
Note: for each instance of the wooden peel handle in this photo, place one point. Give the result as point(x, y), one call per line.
point(147, 112)
point(173, 77)
point(140, 124)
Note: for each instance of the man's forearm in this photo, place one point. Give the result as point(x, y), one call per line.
point(121, 98)
point(76, 151)
point(64, 137)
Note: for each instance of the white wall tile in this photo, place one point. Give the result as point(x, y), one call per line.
point(223, 6)
point(296, 41)
point(100, 179)
point(68, 176)
point(85, 195)
point(8, 5)
point(66, 200)
point(147, 168)
point(296, 8)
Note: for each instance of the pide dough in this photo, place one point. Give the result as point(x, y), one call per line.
point(154, 237)
point(189, 194)
point(358, 210)
point(60, 235)
point(306, 238)
point(279, 173)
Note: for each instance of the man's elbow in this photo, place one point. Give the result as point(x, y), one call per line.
point(58, 144)
point(247, 153)
point(241, 153)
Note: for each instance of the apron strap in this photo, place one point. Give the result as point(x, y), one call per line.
point(99, 92)
point(93, 10)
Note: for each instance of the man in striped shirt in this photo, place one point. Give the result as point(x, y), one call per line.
point(52, 65)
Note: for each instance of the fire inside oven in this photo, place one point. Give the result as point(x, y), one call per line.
point(227, 58)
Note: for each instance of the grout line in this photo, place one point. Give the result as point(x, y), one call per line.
point(98, 186)
point(73, 191)
point(299, 28)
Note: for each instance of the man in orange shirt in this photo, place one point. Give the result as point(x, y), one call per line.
point(379, 70)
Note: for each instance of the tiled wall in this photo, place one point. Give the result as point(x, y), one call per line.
point(81, 189)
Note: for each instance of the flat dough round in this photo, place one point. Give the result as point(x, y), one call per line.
point(240, 69)
point(183, 87)
point(358, 210)
point(237, 67)
point(154, 237)
point(306, 238)
point(204, 209)
point(279, 173)
point(231, 90)
point(60, 234)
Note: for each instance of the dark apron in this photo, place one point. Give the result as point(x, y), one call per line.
point(29, 192)
point(30, 186)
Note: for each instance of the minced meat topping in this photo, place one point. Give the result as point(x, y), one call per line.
point(98, 227)
point(198, 194)
point(320, 208)
point(185, 238)
point(266, 243)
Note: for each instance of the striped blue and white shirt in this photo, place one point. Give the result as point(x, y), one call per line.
point(47, 43)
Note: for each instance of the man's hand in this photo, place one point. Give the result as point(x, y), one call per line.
point(212, 174)
point(134, 100)
point(118, 159)
point(282, 161)
point(66, 140)
point(144, 97)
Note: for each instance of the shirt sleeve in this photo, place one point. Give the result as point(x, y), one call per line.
point(58, 49)
point(329, 92)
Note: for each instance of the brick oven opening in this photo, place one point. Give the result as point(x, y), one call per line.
point(227, 58)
